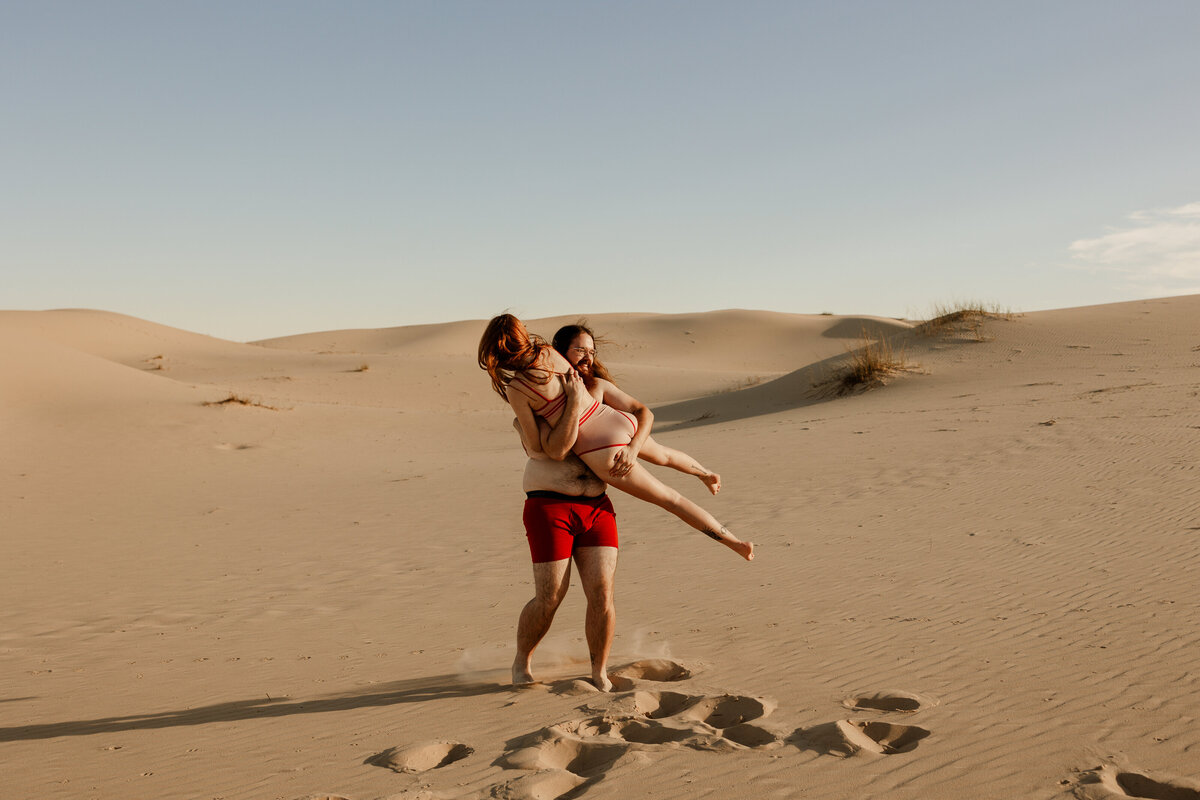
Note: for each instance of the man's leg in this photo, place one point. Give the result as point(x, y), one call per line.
point(597, 568)
point(550, 581)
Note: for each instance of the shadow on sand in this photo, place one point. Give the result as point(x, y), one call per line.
point(796, 389)
point(808, 386)
point(416, 690)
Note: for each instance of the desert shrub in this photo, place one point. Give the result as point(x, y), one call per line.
point(961, 319)
point(237, 399)
point(867, 365)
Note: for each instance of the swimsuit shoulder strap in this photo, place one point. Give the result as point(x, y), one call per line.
point(518, 380)
point(524, 388)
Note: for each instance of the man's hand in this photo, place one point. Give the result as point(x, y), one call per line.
point(623, 461)
point(557, 440)
point(578, 398)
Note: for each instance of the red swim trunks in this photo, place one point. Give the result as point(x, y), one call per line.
point(555, 524)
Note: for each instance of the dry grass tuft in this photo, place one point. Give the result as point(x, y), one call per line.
point(361, 368)
point(868, 365)
point(237, 399)
point(961, 319)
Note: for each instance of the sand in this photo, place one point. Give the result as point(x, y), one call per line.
point(978, 580)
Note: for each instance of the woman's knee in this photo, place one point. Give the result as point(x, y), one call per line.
point(658, 458)
point(670, 499)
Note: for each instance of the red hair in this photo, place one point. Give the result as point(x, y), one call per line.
point(506, 348)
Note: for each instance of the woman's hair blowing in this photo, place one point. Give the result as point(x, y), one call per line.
point(506, 348)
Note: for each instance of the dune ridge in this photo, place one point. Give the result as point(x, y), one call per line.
point(974, 581)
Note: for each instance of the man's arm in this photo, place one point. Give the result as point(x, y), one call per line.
point(558, 439)
point(544, 431)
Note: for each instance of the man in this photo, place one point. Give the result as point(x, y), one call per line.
point(567, 516)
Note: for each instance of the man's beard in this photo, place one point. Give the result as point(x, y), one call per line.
point(589, 380)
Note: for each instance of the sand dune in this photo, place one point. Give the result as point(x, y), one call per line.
point(976, 581)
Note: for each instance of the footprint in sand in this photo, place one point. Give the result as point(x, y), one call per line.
point(546, 784)
point(420, 757)
point(851, 737)
point(717, 711)
point(624, 679)
point(640, 731)
point(654, 669)
point(1105, 782)
point(558, 749)
point(905, 702)
point(751, 736)
point(656, 705)
point(633, 727)
point(659, 670)
point(726, 711)
point(646, 731)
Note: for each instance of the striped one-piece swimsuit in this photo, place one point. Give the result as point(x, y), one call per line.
point(600, 426)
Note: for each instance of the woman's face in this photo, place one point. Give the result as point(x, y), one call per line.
point(581, 353)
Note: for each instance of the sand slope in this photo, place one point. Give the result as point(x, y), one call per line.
point(977, 581)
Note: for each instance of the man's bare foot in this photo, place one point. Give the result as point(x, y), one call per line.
point(602, 682)
point(521, 674)
point(712, 480)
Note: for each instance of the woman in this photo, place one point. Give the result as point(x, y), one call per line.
point(577, 344)
point(536, 379)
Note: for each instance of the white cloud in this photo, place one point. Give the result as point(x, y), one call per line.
point(1158, 253)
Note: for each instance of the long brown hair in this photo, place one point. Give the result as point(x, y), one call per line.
point(567, 333)
point(506, 348)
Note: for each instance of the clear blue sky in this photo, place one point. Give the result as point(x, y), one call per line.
point(250, 169)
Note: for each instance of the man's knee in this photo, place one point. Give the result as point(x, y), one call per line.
point(599, 590)
point(551, 597)
point(597, 572)
point(601, 598)
point(550, 582)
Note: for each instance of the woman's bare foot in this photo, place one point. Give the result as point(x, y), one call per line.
point(712, 480)
point(743, 549)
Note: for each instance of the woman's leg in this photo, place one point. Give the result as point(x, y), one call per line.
point(644, 486)
point(664, 456)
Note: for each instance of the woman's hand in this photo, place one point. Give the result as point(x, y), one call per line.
point(623, 461)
